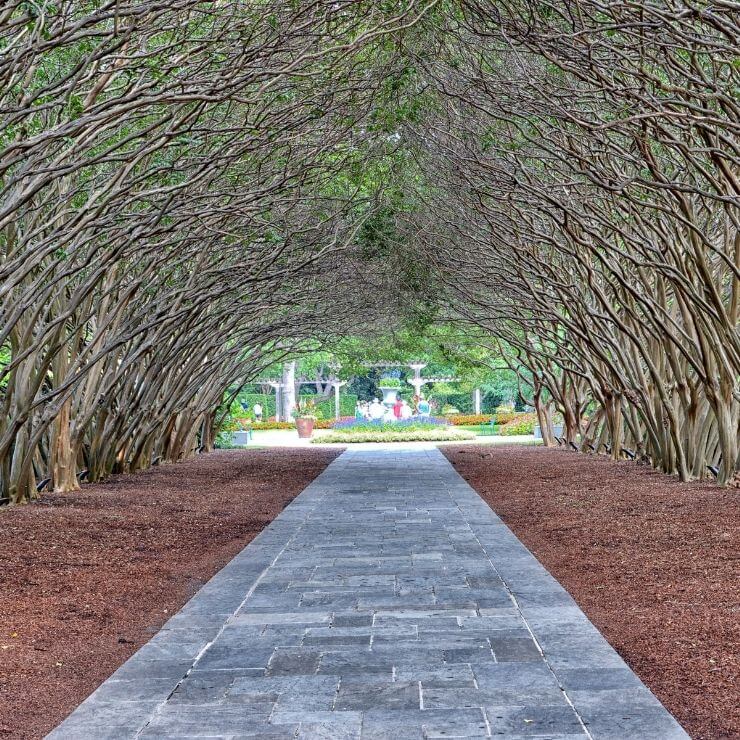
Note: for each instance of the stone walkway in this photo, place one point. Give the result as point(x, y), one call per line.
point(387, 601)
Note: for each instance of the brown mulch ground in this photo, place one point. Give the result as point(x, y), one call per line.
point(87, 578)
point(653, 562)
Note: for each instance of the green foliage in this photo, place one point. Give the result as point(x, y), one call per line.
point(524, 424)
point(388, 382)
point(325, 408)
point(266, 401)
point(238, 419)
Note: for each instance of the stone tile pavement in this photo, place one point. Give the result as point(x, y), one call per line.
point(387, 601)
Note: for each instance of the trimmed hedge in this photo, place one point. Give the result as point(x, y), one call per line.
point(347, 403)
point(267, 401)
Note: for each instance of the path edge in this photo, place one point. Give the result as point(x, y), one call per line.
point(158, 667)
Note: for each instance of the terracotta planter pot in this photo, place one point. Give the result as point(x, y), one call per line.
point(305, 427)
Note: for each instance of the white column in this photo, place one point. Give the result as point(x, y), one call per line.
point(476, 400)
point(337, 385)
point(288, 389)
point(417, 381)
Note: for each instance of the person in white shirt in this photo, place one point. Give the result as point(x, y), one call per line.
point(377, 410)
point(257, 412)
point(406, 412)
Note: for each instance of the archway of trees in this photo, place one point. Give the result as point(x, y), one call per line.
point(191, 191)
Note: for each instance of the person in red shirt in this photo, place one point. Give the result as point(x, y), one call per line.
point(397, 407)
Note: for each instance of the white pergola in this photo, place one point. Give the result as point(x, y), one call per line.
point(278, 387)
point(418, 382)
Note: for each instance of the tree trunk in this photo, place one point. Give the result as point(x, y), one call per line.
point(63, 453)
point(289, 394)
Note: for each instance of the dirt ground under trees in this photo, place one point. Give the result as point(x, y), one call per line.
point(653, 562)
point(87, 578)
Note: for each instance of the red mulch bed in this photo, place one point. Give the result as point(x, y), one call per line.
point(653, 562)
point(87, 578)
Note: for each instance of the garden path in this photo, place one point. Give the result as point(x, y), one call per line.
point(386, 601)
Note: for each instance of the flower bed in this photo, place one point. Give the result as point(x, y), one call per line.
point(429, 422)
point(463, 420)
point(394, 433)
point(272, 424)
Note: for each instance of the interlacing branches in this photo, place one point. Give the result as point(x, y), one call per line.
point(586, 210)
point(191, 190)
point(177, 183)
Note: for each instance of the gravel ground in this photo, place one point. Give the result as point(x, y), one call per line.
point(652, 561)
point(87, 578)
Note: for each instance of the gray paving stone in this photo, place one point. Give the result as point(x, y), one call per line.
point(120, 691)
point(351, 620)
point(469, 655)
point(333, 642)
point(381, 724)
point(281, 732)
point(293, 662)
point(350, 663)
point(109, 721)
point(514, 649)
point(228, 656)
point(204, 687)
point(378, 605)
point(203, 720)
point(283, 716)
point(396, 695)
point(619, 713)
point(428, 624)
point(459, 675)
point(534, 721)
point(328, 731)
point(305, 618)
point(145, 669)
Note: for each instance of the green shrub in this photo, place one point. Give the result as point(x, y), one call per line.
point(347, 405)
point(325, 408)
point(390, 383)
point(267, 401)
point(226, 445)
point(523, 424)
